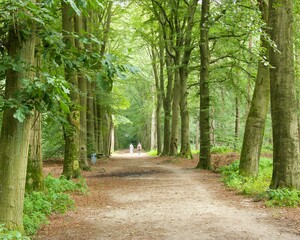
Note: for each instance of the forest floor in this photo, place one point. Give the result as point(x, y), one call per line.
point(135, 196)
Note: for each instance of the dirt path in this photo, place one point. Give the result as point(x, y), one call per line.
point(138, 197)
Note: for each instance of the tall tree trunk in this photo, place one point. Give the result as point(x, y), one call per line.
point(167, 102)
point(35, 174)
point(175, 111)
point(71, 160)
point(237, 123)
point(90, 117)
point(90, 114)
point(82, 84)
point(157, 95)
point(185, 150)
point(255, 124)
point(104, 111)
point(15, 135)
point(204, 156)
point(286, 158)
point(153, 122)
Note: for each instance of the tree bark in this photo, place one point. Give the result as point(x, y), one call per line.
point(204, 156)
point(15, 135)
point(255, 125)
point(71, 167)
point(35, 175)
point(175, 111)
point(167, 103)
point(286, 158)
point(82, 84)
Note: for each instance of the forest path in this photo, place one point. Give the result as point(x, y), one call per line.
point(139, 197)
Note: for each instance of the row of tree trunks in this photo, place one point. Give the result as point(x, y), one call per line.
point(176, 30)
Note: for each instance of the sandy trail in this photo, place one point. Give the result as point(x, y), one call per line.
point(139, 197)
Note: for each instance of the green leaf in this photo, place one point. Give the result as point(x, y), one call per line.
point(20, 115)
point(64, 107)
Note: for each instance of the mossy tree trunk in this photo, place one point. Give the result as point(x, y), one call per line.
point(15, 135)
point(71, 167)
point(204, 155)
point(185, 150)
point(286, 156)
point(35, 174)
point(255, 124)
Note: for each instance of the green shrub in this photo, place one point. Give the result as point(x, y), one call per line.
point(152, 153)
point(259, 186)
point(39, 205)
point(220, 149)
point(283, 197)
point(13, 235)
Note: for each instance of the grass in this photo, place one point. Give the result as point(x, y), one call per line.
point(258, 187)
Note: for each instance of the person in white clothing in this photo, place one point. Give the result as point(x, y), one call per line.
point(131, 148)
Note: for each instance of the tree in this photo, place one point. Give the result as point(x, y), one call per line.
point(286, 155)
point(15, 132)
point(204, 155)
point(71, 132)
point(82, 85)
point(255, 125)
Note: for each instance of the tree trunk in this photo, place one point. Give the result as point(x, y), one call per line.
point(204, 156)
point(35, 175)
point(237, 123)
point(15, 135)
point(286, 158)
point(167, 101)
point(71, 160)
point(175, 112)
point(255, 125)
point(82, 84)
point(153, 144)
point(90, 117)
point(185, 150)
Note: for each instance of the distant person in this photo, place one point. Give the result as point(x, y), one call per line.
point(131, 148)
point(139, 147)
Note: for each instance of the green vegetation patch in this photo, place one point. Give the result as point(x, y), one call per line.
point(39, 205)
point(258, 187)
point(13, 235)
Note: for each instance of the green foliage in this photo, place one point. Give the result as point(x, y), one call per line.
point(283, 197)
point(195, 151)
point(11, 235)
point(38, 205)
point(40, 95)
point(152, 153)
point(258, 186)
point(248, 186)
point(220, 149)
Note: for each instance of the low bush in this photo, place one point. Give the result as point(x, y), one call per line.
point(11, 235)
point(258, 187)
point(220, 149)
point(39, 205)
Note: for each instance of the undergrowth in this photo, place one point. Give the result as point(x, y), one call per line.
point(39, 205)
point(258, 187)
